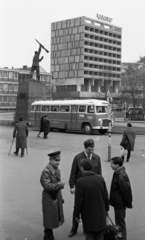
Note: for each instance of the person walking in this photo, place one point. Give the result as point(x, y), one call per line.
point(52, 199)
point(91, 201)
point(76, 172)
point(35, 63)
point(128, 141)
point(46, 127)
point(120, 193)
point(21, 134)
point(41, 126)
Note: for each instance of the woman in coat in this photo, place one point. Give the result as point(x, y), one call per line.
point(21, 134)
point(128, 140)
point(51, 196)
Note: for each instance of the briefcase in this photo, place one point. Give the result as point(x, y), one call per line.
point(112, 231)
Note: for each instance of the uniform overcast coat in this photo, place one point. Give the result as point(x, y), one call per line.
point(51, 198)
point(21, 134)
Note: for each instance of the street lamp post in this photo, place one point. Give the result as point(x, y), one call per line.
point(109, 110)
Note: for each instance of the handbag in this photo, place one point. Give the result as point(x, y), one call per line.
point(112, 231)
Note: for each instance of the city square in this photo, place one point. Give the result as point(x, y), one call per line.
point(21, 192)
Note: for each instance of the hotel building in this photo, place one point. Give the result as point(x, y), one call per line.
point(85, 58)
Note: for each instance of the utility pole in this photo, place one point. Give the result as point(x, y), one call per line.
point(109, 110)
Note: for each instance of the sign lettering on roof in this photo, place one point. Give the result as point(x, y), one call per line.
point(104, 18)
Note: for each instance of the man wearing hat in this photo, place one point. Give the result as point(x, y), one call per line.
point(52, 200)
point(76, 172)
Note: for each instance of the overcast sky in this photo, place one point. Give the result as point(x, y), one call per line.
point(23, 21)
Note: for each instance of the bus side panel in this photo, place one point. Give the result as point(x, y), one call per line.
point(74, 117)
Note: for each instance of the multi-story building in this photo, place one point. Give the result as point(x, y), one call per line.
point(85, 57)
point(9, 80)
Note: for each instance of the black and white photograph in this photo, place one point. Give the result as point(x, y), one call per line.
point(72, 120)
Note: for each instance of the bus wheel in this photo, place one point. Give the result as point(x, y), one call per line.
point(87, 129)
point(102, 131)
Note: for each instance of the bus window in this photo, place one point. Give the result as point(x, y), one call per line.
point(64, 108)
point(55, 108)
point(82, 108)
point(101, 109)
point(37, 108)
point(46, 108)
point(33, 108)
point(91, 109)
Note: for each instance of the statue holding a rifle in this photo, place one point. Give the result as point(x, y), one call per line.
point(36, 60)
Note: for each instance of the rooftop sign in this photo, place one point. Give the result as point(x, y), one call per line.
point(104, 18)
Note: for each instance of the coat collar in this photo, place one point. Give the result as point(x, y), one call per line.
point(88, 173)
point(120, 170)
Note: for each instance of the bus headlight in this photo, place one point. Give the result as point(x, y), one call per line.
point(100, 121)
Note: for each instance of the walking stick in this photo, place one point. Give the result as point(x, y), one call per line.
point(27, 150)
point(11, 146)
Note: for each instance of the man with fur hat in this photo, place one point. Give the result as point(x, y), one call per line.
point(76, 172)
point(51, 196)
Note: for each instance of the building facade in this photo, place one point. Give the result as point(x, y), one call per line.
point(85, 57)
point(9, 80)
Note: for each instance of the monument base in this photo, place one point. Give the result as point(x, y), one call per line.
point(29, 91)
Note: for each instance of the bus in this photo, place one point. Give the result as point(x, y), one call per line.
point(74, 115)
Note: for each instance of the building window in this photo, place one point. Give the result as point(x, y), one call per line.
point(1, 74)
point(10, 99)
point(14, 99)
point(5, 74)
point(11, 87)
point(5, 99)
point(5, 87)
point(11, 75)
point(15, 75)
point(15, 87)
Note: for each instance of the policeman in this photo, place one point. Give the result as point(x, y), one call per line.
point(52, 200)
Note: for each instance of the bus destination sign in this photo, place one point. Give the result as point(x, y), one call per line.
point(104, 18)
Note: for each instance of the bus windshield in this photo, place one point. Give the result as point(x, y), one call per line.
point(100, 109)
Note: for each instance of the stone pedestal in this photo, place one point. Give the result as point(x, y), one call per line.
point(29, 91)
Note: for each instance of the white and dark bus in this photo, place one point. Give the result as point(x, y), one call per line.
point(85, 115)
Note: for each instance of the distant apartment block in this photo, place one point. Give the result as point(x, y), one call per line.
point(85, 57)
point(9, 80)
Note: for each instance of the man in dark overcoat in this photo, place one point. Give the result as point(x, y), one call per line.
point(21, 134)
point(41, 126)
point(120, 194)
point(91, 201)
point(128, 140)
point(46, 126)
point(51, 196)
point(77, 173)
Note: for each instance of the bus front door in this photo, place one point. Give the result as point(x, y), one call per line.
point(73, 117)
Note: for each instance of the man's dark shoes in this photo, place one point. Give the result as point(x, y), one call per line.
point(72, 233)
point(16, 153)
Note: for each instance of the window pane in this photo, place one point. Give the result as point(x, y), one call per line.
point(15, 75)
point(82, 108)
point(5, 99)
point(5, 74)
point(5, 87)
point(1, 74)
point(54, 108)
point(45, 108)
point(10, 86)
point(91, 109)
point(11, 75)
point(64, 109)
point(100, 109)
point(14, 99)
point(15, 87)
point(10, 99)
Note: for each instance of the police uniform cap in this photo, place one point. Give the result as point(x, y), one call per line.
point(54, 154)
point(89, 143)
